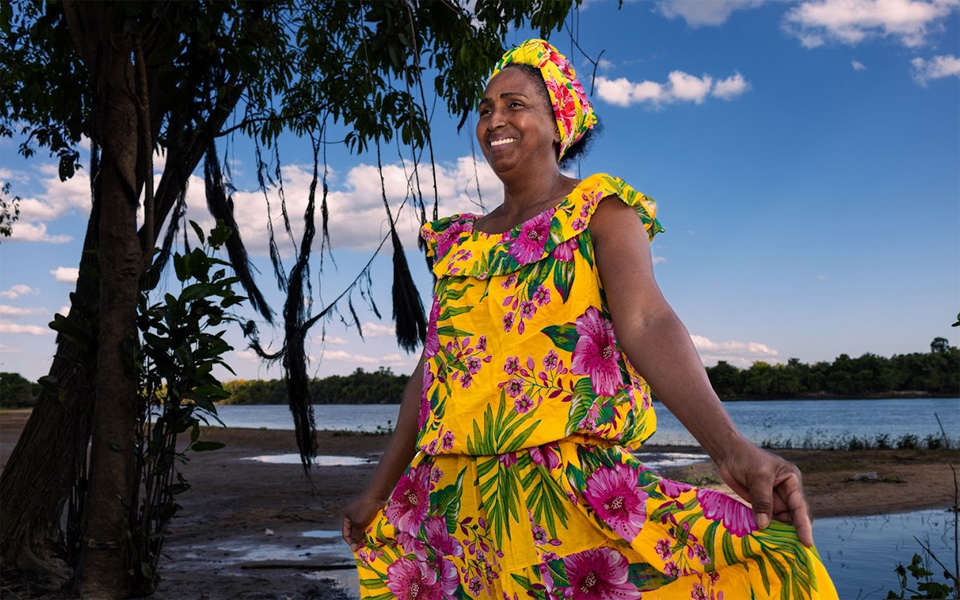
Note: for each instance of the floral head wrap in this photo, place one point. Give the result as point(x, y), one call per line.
point(571, 107)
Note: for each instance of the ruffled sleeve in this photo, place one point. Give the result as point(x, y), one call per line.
point(459, 250)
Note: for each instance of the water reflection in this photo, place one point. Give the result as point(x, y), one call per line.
point(861, 553)
point(319, 461)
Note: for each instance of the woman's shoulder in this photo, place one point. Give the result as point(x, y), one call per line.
point(581, 204)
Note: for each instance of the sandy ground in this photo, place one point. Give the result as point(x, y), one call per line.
point(252, 530)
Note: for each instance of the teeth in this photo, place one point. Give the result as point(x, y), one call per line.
point(502, 142)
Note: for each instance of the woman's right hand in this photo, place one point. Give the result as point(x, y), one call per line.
point(356, 517)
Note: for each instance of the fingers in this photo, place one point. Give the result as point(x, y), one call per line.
point(761, 498)
point(347, 532)
point(790, 492)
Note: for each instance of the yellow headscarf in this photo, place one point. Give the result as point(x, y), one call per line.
point(572, 109)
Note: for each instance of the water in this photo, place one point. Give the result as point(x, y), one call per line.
point(861, 553)
point(796, 422)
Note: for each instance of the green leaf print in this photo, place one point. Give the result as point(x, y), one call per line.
point(499, 494)
point(545, 498)
point(447, 502)
point(647, 577)
point(563, 336)
point(585, 247)
point(535, 274)
point(583, 399)
point(563, 278)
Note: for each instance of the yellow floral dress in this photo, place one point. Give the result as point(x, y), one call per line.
point(523, 485)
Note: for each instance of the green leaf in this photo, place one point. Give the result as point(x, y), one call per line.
point(199, 231)
point(563, 336)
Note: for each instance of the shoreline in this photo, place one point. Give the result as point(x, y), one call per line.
point(251, 530)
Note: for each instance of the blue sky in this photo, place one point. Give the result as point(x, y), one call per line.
point(805, 157)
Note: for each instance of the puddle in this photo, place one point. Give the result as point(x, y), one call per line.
point(320, 461)
point(322, 534)
point(661, 460)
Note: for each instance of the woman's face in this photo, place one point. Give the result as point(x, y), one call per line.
point(516, 125)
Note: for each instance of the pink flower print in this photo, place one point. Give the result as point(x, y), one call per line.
point(585, 208)
point(511, 365)
point(551, 360)
point(508, 321)
point(546, 455)
point(599, 574)
point(528, 245)
point(698, 592)
point(462, 255)
point(475, 585)
point(508, 460)
point(614, 495)
point(596, 354)
point(579, 225)
point(440, 539)
point(564, 252)
point(410, 501)
point(564, 108)
point(466, 380)
point(409, 580)
point(449, 236)
point(542, 295)
point(509, 282)
point(527, 309)
point(432, 344)
point(410, 544)
point(664, 549)
point(482, 343)
point(447, 442)
point(701, 553)
point(424, 398)
point(523, 404)
point(514, 387)
point(436, 475)
point(673, 489)
point(474, 364)
point(539, 535)
point(737, 517)
point(671, 570)
point(449, 578)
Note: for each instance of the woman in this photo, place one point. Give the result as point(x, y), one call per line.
point(545, 315)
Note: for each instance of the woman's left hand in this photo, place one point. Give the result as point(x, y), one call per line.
point(771, 484)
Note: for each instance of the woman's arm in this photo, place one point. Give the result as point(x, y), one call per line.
point(659, 346)
point(396, 457)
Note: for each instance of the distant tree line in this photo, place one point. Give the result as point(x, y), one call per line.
point(934, 373)
point(360, 387)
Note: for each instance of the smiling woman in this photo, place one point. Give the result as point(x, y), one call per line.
point(508, 474)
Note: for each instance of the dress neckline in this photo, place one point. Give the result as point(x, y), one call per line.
point(472, 217)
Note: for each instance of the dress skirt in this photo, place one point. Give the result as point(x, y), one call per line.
point(574, 520)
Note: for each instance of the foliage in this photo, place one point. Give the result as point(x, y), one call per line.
point(9, 210)
point(925, 586)
point(933, 373)
point(181, 343)
point(360, 387)
point(16, 391)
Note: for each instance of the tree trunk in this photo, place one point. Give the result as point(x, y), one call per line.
point(52, 450)
point(104, 569)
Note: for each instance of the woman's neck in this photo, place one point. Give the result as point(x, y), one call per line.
point(525, 198)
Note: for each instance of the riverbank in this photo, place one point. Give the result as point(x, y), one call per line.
point(241, 531)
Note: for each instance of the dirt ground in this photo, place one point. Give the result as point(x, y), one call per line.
point(254, 530)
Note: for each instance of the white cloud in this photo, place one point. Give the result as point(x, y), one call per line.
point(704, 12)
point(731, 87)
point(937, 67)
point(333, 340)
point(358, 220)
point(15, 311)
point(741, 354)
point(604, 64)
point(680, 87)
point(659, 259)
point(858, 66)
point(909, 22)
point(19, 290)
point(371, 329)
point(27, 329)
point(66, 274)
point(342, 356)
point(24, 231)
point(4, 349)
